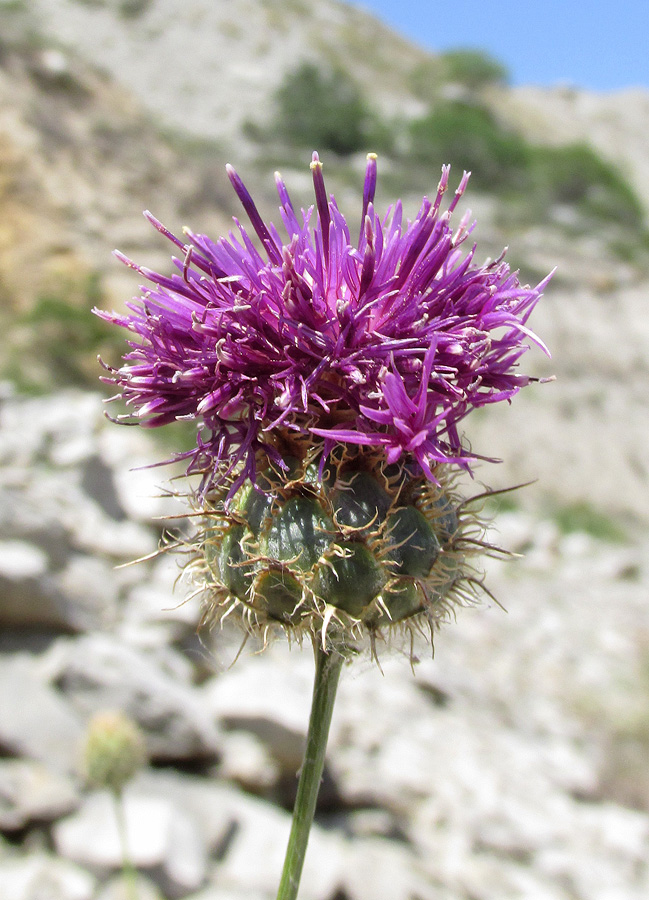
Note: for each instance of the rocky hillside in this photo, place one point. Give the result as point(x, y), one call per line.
point(615, 123)
point(515, 763)
point(227, 57)
point(91, 133)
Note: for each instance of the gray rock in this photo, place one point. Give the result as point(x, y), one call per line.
point(254, 860)
point(81, 596)
point(46, 495)
point(603, 853)
point(217, 892)
point(28, 594)
point(97, 482)
point(270, 697)
point(158, 601)
point(98, 672)
point(91, 592)
point(248, 836)
point(221, 893)
point(20, 560)
point(142, 488)
point(118, 889)
point(92, 531)
point(372, 823)
point(487, 877)
point(29, 792)
point(36, 720)
point(375, 867)
point(61, 428)
point(42, 531)
point(46, 583)
point(42, 877)
point(215, 807)
point(162, 839)
point(246, 760)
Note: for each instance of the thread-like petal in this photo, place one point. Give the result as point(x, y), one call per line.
point(388, 343)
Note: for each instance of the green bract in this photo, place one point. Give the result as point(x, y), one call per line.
point(362, 544)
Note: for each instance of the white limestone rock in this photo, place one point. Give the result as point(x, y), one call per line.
point(30, 792)
point(162, 838)
point(375, 867)
point(36, 721)
point(268, 696)
point(98, 672)
point(40, 876)
point(254, 860)
point(118, 889)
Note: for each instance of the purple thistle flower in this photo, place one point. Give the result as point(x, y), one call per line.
point(386, 341)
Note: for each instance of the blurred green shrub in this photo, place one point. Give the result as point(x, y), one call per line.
point(425, 78)
point(13, 6)
point(582, 517)
point(577, 176)
point(56, 342)
point(128, 9)
point(472, 68)
point(469, 137)
point(132, 9)
point(324, 110)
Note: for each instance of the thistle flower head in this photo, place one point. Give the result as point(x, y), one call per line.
point(385, 338)
point(328, 374)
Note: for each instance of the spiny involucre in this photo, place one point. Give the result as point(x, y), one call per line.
point(328, 374)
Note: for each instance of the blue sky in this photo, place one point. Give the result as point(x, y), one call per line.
point(587, 43)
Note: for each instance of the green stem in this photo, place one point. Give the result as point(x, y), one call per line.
point(327, 673)
point(129, 873)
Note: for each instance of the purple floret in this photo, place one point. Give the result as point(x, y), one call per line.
point(387, 341)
